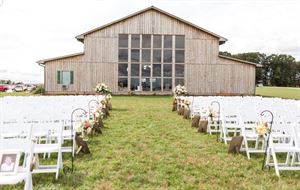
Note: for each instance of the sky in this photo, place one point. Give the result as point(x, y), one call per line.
point(31, 30)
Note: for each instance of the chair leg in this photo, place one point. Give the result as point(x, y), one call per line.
point(28, 182)
point(58, 165)
point(275, 162)
point(225, 137)
point(267, 163)
point(246, 147)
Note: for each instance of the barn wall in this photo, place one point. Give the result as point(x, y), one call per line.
point(101, 47)
point(205, 72)
point(227, 77)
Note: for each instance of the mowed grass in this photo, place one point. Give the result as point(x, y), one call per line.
point(146, 146)
point(2, 94)
point(283, 92)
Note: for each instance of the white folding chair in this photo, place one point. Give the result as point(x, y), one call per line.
point(52, 145)
point(284, 143)
point(24, 146)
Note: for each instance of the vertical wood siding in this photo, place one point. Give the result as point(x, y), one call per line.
point(205, 72)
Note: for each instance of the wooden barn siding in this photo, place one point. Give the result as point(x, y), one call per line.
point(205, 72)
point(102, 46)
point(213, 79)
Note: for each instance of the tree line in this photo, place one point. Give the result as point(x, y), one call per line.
point(276, 70)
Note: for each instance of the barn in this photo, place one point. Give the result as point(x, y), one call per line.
point(149, 52)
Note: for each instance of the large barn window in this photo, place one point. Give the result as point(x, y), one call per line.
point(123, 62)
point(150, 62)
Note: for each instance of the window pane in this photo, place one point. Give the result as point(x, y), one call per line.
point(145, 84)
point(135, 41)
point(157, 41)
point(179, 81)
point(179, 56)
point(66, 76)
point(157, 56)
point(135, 70)
point(123, 70)
point(179, 42)
point(167, 56)
point(157, 70)
point(146, 55)
point(135, 83)
point(167, 41)
point(123, 40)
point(146, 41)
point(167, 70)
point(179, 70)
point(135, 55)
point(167, 84)
point(146, 70)
point(122, 84)
point(156, 84)
point(123, 55)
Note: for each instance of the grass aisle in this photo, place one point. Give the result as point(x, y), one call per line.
point(146, 146)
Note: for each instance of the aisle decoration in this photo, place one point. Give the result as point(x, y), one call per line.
point(179, 90)
point(262, 129)
point(85, 128)
point(174, 108)
point(187, 110)
point(108, 101)
point(98, 123)
point(102, 88)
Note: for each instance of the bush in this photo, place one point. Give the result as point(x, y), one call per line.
point(39, 90)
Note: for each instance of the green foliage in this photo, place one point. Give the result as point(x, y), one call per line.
point(39, 90)
point(146, 146)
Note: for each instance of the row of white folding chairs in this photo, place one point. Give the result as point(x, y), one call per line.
point(32, 107)
point(247, 130)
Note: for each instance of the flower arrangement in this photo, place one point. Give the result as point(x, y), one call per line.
point(102, 88)
point(85, 127)
point(108, 97)
point(103, 102)
point(213, 113)
point(262, 128)
point(97, 115)
point(180, 90)
point(187, 103)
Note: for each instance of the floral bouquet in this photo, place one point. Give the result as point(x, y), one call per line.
point(108, 98)
point(179, 90)
point(102, 88)
point(97, 114)
point(187, 103)
point(213, 114)
point(262, 128)
point(85, 127)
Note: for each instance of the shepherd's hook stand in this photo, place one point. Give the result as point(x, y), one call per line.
point(268, 139)
point(67, 169)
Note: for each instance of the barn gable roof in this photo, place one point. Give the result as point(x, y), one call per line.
point(241, 61)
point(222, 40)
point(43, 61)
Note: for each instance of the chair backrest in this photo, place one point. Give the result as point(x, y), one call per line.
point(22, 146)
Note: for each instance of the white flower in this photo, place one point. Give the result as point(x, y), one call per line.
point(97, 114)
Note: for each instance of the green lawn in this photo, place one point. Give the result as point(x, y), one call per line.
point(2, 94)
point(283, 92)
point(146, 146)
